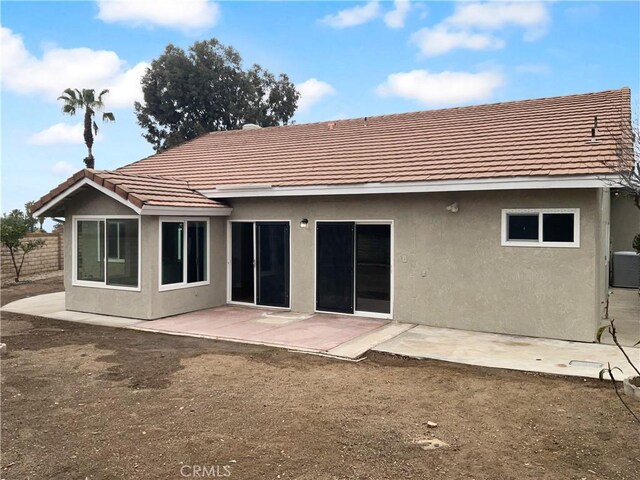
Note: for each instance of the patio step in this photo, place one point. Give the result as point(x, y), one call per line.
point(362, 344)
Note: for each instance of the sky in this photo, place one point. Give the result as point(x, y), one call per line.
point(347, 59)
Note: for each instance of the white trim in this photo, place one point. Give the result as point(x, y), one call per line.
point(358, 313)
point(506, 183)
point(80, 184)
point(505, 242)
point(186, 211)
point(255, 263)
point(74, 252)
point(184, 283)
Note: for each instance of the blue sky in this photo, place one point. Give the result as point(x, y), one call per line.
point(348, 59)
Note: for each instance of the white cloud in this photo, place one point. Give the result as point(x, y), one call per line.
point(61, 134)
point(350, 17)
point(182, 15)
point(64, 168)
point(311, 92)
point(396, 17)
point(444, 88)
point(61, 68)
point(439, 40)
point(533, 16)
point(474, 26)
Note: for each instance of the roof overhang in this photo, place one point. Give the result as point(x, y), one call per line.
point(466, 185)
point(186, 211)
point(41, 212)
point(144, 210)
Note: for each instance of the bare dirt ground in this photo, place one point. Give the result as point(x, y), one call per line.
point(80, 401)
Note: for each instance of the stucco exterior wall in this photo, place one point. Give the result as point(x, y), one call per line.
point(149, 302)
point(450, 270)
point(625, 222)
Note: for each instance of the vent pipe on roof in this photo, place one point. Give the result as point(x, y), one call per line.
point(250, 126)
point(594, 129)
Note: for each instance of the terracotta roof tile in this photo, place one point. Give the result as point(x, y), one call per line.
point(138, 189)
point(548, 136)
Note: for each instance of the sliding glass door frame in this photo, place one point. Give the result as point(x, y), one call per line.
point(356, 313)
point(255, 263)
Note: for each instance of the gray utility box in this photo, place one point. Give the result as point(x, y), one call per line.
point(626, 270)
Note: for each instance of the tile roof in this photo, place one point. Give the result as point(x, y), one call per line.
point(547, 136)
point(141, 190)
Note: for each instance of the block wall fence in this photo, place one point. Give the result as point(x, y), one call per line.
point(46, 259)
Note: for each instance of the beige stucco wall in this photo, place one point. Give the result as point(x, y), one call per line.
point(625, 222)
point(149, 302)
point(451, 270)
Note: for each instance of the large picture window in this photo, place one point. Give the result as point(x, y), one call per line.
point(541, 227)
point(184, 253)
point(106, 252)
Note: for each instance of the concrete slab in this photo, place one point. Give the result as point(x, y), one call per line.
point(316, 333)
point(511, 352)
point(362, 344)
point(42, 305)
point(51, 305)
point(624, 308)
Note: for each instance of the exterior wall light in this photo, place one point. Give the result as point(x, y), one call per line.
point(304, 223)
point(453, 208)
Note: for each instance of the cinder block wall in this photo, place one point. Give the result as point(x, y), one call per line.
point(46, 259)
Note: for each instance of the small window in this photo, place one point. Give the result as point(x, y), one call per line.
point(557, 227)
point(106, 252)
point(541, 227)
point(523, 227)
point(184, 253)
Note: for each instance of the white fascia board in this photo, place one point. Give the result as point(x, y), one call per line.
point(507, 183)
point(186, 211)
point(85, 181)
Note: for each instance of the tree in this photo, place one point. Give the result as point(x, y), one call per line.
point(74, 100)
point(206, 89)
point(31, 221)
point(626, 164)
point(13, 227)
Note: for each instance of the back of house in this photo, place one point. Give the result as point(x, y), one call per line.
point(491, 218)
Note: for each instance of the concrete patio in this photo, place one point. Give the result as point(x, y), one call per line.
point(349, 338)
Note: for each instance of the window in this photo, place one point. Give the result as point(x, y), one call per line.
point(541, 227)
point(106, 252)
point(184, 252)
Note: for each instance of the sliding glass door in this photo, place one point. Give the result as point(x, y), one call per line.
point(260, 263)
point(334, 266)
point(353, 267)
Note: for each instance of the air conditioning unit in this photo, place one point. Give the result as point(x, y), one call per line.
point(626, 270)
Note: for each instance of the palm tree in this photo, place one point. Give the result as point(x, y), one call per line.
point(75, 99)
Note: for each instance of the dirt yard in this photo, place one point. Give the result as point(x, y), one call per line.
point(80, 401)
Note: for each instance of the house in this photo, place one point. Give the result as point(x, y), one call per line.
point(491, 218)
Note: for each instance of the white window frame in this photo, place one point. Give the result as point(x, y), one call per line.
point(255, 263)
point(356, 313)
point(74, 260)
point(184, 283)
point(539, 242)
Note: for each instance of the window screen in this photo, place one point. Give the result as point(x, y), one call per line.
point(557, 227)
point(90, 250)
point(172, 252)
point(522, 227)
point(196, 252)
point(122, 252)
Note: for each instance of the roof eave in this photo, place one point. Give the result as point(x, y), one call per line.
point(459, 185)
